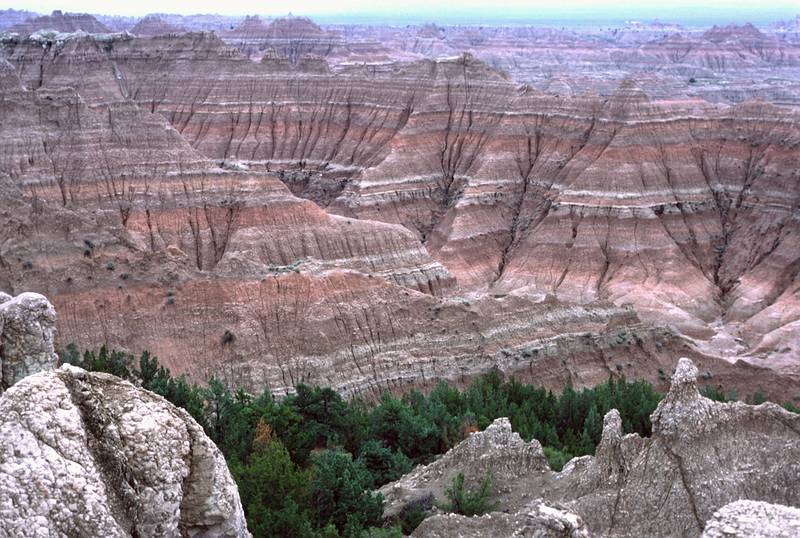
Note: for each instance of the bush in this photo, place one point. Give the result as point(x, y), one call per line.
point(383, 465)
point(411, 518)
point(227, 338)
point(556, 458)
point(470, 503)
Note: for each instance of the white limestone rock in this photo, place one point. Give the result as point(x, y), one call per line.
point(27, 330)
point(87, 454)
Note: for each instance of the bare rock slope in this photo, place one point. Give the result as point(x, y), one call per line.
point(87, 454)
point(702, 455)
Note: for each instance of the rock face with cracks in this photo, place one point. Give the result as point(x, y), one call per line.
point(87, 454)
point(701, 456)
point(27, 331)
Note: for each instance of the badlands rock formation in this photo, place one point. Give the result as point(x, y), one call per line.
point(10, 17)
point(290, 38)
point(152, 25)
point(459, 220)
point(61, 22)
point(480, 174)
point(729, 64)
point(86, 454)
point(27, 331)
point(702, 455)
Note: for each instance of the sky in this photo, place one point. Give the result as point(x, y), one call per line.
point(723, 11)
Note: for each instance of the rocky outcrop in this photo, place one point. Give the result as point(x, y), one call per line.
point(496, 451)
point(92, 455)
point(27, 331)
point(701, 456)
point(753, 519)
point(537, 520)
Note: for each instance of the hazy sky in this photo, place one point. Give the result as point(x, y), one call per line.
point(686, 10)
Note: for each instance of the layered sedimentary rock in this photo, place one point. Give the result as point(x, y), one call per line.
point(27, 333)
point(684, 209)
point(702, 455)
point(10, 17)
point(92, 455)
point(115, 200)
point(728, 64)
point(61, 22)
point(153, 25)
point(291, 38)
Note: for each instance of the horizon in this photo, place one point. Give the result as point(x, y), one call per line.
point(514, 12)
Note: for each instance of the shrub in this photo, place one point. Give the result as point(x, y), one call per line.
point(556, 458)
point(380, 532)
point(383, 464)
point(470, 503)
point(227, 337)
point(411, 518)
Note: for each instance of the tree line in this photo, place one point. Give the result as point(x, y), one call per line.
point(308, 464)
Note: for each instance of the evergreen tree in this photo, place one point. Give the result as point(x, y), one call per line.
point(341, 494)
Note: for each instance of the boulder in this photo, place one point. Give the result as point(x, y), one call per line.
point(27, 329)
point(88, 454)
